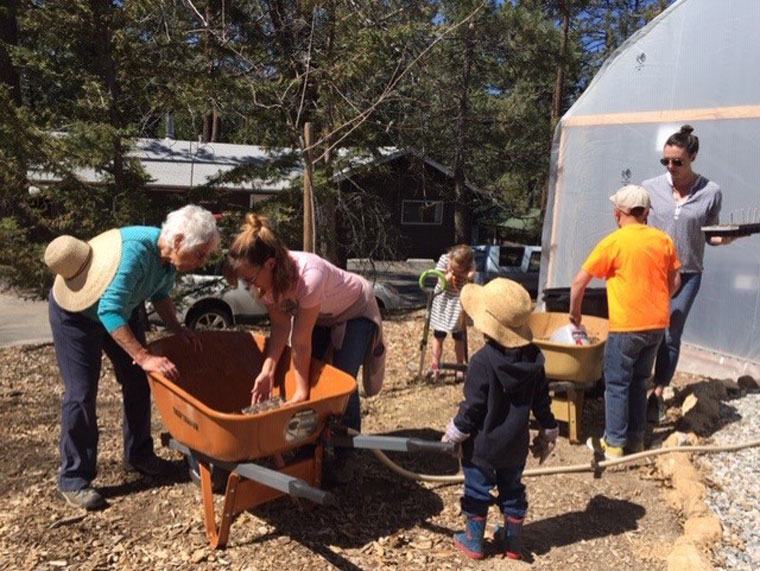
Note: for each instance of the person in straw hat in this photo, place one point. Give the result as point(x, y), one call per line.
point(641, 267)
point(505, 382)
point(92, 308)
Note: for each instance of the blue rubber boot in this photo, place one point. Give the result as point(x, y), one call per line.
point(510, 537)
point(470, 541)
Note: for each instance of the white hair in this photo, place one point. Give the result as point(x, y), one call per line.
point(197, 226)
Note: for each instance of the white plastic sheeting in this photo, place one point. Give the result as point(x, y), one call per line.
point(697, 63)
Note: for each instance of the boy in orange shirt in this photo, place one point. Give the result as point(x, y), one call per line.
point(641, 266)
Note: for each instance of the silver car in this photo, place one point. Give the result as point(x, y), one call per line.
point(208, 302)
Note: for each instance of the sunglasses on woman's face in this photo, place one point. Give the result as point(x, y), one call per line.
point(676, 162)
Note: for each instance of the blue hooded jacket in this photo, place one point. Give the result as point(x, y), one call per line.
point(503, 386)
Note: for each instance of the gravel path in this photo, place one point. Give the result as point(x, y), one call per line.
point(734, 493)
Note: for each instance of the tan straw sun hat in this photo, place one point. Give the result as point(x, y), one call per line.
point(500, 309)
point(85, 269)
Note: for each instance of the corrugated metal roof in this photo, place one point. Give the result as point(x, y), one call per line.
point(180, 165)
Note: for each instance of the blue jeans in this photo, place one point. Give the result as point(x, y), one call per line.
point(79, 345)
point(348, 358)
point(478, 483)
point(670, 348)
point(628, 360)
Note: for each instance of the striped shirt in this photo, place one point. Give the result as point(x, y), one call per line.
point(683, 222)
point(446, 310)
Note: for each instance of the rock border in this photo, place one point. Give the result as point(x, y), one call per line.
point(700, 412)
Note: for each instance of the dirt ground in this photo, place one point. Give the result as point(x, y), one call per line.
point(382, 521)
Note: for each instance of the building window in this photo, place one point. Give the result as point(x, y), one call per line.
point(421, 212)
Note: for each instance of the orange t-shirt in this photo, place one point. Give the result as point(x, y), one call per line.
point(635, 260)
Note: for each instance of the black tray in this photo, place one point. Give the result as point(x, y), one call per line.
point(732, 230)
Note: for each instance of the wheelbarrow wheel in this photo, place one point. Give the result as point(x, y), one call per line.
point(219, 476)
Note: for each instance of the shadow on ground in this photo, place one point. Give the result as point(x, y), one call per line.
point(377, 503)
point(602, 517)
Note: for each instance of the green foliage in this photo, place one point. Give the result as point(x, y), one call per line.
point(469, 83)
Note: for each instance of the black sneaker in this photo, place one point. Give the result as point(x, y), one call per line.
point(150, 466)
point(87, 499)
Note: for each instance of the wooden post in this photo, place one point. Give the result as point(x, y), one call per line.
point(308, 211)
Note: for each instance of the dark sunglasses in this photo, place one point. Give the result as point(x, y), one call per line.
point(677, 162)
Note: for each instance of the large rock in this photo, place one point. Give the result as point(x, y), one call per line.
point(701, 409)
point(688, 491)
point(681, 439)
point(732, 387)
point(686, 557)
point(703, 531)
point(747, 382)
point(718, 389)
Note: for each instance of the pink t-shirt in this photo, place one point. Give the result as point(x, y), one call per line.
point(320, 284)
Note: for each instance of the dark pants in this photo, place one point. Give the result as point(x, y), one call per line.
point(670, 348)
point(456, 335)
point(478, 483)
point(348, 358)
point(79, 346)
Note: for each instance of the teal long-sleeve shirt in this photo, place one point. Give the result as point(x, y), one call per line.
point(140, 276)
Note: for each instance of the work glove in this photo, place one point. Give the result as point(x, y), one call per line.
point(453, 434)
point(543, 443)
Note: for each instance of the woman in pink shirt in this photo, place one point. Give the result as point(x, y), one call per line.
point(314, 303)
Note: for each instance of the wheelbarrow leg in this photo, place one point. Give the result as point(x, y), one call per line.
point(575, 410)
point(217, 535)
point(568, 407)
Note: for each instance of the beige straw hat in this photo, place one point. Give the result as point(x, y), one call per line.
point(500, 309)
point(85, 269)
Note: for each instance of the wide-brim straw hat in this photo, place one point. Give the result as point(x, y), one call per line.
point(500, 309)
point(84, 269)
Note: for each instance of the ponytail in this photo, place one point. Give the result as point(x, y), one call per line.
point(256, 243)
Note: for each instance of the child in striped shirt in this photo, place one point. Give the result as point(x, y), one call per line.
point(458, 264)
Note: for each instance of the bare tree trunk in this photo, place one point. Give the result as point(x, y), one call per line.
point(9, 35)
point(463, 212)
point(100, 10)
point(330, 200)
point(559, 83)
point(559, 90)
point(308, 177)
point(212, 123)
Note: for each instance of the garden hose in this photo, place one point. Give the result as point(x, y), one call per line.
point(592, 466)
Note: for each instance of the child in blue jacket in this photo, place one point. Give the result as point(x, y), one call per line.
point(505, 382)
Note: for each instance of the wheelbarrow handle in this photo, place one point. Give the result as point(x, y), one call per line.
point(419, 445)
point(391, 443)
point(284, 483)
point(436, 273)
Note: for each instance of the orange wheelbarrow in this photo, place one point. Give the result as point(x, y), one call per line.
point(202, 412)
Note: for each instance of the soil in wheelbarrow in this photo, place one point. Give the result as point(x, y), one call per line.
point(381, 521)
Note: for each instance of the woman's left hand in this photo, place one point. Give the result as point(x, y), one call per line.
point(190, 337)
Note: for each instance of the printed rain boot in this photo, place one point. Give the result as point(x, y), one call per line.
point(470, 541)
point(510, 537)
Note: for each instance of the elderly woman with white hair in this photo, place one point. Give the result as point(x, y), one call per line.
point(93, 302)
